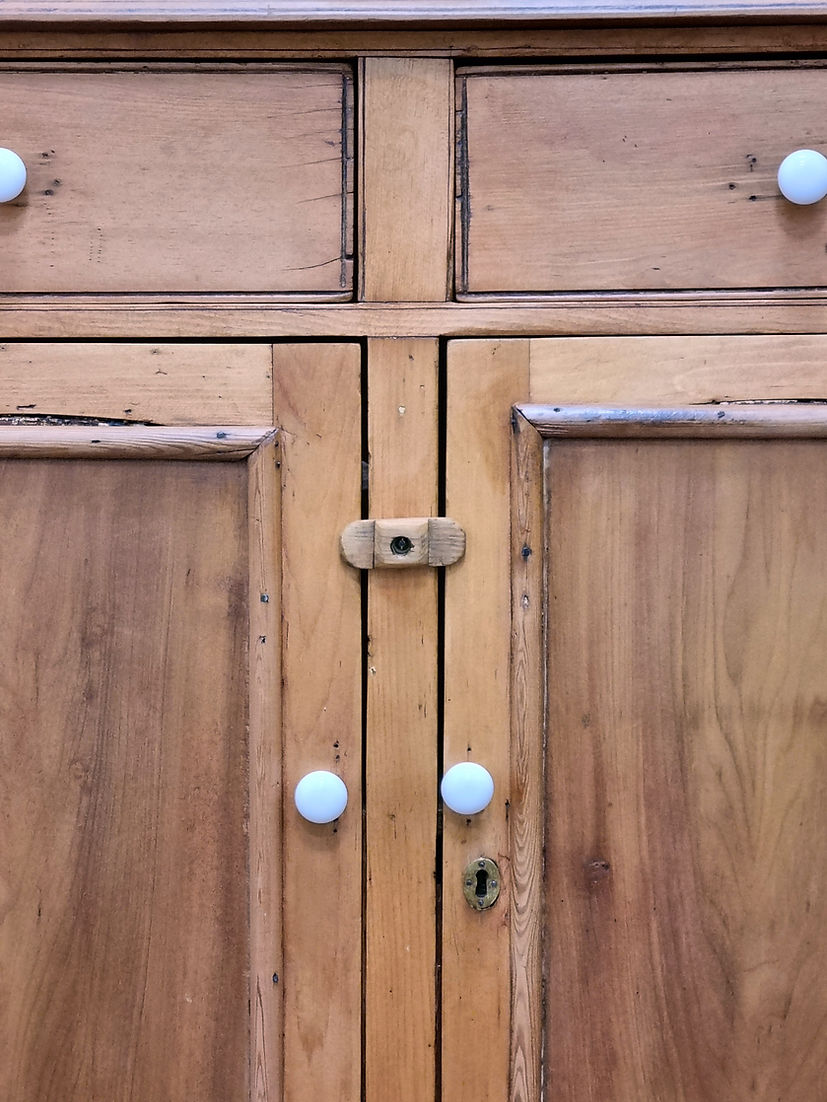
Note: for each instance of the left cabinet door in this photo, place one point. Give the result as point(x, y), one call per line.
point(154, 937)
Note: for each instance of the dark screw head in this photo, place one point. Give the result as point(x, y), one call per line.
point(400, 545)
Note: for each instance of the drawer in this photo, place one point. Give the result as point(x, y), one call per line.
point(574, 181)
point(181, 180)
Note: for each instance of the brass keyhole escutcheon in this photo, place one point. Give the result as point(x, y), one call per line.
point(481, 883)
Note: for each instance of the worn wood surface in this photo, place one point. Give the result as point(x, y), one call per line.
point(601, 180)
point(737, 421)
point(217, 183)
point(266, 790)
point(484, 379)
point(318, 409)
point(205, 384)
point(397, 13)
point(434, 541)
point(605, 315)
point(128, 442)
point(527, 742)
point(401, 737)
point(674, 371)
point(586, 40)
point(407, 178)
point(686, 770)
point(123, 857)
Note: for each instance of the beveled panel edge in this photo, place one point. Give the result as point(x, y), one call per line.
point(30, 441)
point(735, 420)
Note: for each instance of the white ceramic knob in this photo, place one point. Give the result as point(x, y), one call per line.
point(802, 177)
point(467, 788)
point(320, 796)
point(12, 175)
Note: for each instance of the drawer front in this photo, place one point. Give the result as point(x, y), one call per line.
point(637, 180)
point(187, 181)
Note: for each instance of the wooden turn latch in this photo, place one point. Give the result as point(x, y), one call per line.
point(405, 541)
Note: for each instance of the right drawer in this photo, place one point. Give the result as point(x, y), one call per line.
point(636, 180)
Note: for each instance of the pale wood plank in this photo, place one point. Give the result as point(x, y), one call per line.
point(250, 200)
point(401, 765)
point(165, 383)
point(595, 181)
point(123, 781)
point(686, 770)
point(318, 409)
point(369, 12)
point(607, 315)
point(265, 784)
point(130, 442)
point(407, 178)
point(674, 371)
point(484, 379)
point(527, 836)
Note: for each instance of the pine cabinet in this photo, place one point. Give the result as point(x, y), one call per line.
point(306, 268)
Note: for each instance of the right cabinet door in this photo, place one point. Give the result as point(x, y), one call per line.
point(657, 573)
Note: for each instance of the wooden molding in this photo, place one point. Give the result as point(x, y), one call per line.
point(368, 13)
point(129, 442)
point(735, 420)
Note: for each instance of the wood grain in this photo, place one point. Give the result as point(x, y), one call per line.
point(527, 813)
point(130, 442)
point(738, 421)
point(123, 787)
point(204, 384)
point(673, 38)
point(602, 180)
point(484, 379)
point(674, 371)
point(407, 178)
point(266, 790)
point(605, 315)
point(318, 409)
point(369, 12)
point(253, 199)
point(401, 738)
point(686, 770)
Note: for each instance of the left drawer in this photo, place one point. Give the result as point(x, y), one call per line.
point(163, 180)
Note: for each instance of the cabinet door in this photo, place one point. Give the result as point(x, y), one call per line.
point(182, 643)
point(658, 666)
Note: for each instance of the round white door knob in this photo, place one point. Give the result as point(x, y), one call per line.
point(12, 175)
point(467, 788)
point(320, 796)
point(802, 177)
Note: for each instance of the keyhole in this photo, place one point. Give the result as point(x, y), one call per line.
point(481, 890)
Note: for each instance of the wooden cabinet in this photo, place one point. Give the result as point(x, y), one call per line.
point(243, 319)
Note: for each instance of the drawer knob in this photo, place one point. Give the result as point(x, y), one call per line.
point(802, 177)
point(320, 796)
point(467, 788)
point(12, 175)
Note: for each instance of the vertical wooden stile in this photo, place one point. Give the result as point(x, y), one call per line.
point(318, 409)
point(484, 379)
point(407, 179)
point(528, 627)
point(266, 790)
point(401, 746)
